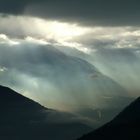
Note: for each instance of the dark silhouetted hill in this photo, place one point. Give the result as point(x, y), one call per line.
point(126, 126)
point(22, 118)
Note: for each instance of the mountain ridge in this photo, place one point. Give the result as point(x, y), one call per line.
point(125, 125)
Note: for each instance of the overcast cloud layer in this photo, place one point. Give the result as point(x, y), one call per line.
point(92, 12)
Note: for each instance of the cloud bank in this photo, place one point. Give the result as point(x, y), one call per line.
point(91, 12)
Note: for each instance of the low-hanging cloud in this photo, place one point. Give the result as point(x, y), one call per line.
point(65, 81)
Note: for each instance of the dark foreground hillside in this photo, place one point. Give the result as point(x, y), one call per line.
point(22, 118)
point(126, 126)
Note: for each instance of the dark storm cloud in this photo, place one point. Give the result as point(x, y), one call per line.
point(107, 12)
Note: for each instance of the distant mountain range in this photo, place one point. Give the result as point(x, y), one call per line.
point(70, 78)
point(125, 126)
point(22, 118)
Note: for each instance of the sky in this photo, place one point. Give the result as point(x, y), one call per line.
point(76, 56)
